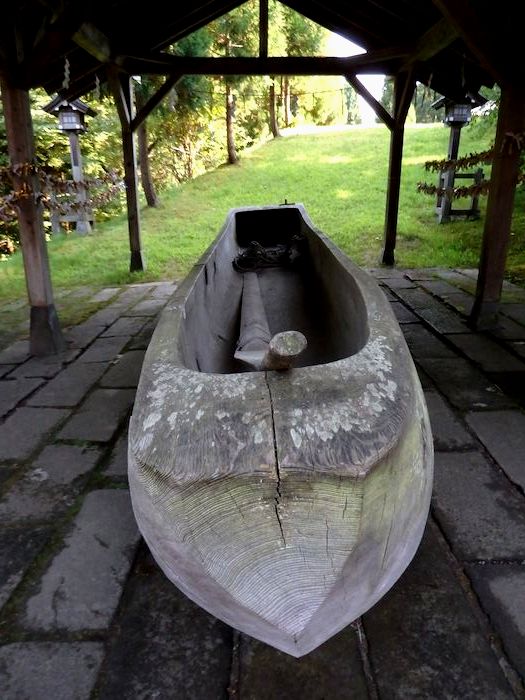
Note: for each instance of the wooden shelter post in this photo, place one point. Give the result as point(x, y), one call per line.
point(403, 92)
point(121, 88)
point(500, 203)
point(45, 336)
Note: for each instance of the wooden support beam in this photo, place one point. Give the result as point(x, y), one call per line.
point(263, 28)
point(45, 336)
point(381, 61)
point(500, 203)
point(120, 86)
point(403, 91)
point(437, 38)
point(154, 100)
point(403, 94)
point(487, 36)
point(92, 40)
point(378, 108)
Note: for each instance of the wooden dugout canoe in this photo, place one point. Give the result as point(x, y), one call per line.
point(285, 503)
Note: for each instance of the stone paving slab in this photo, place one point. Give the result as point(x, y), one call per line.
point(12, 391)
point(106, 316)
point(45, 367)
point(118, 461)
point(142, 339)
point(458, 279)
point(147, 307)
point(50, 485)
point(388, 294)
point(5, 369)
point(82, 586)
point(503, 434)
point(104, 349)
point(163, 645)
point(428, 273)
point(333, 670)
point(164, 290)
point(125, 372)
point(448, 431)
point(403, 314)
point(432, 311)
point(82, 335)
point(133, 293)
point(423, 343)
point(461, 302)
point(487, 353)
point(99, 417)
point(425, 640)
point(15, 353)
point(126, 326)
point(508, 329)
point(463, 385)
point(439, 288)
point(69, 387)
point(400, 283)
point(18, 549)
point(105, 295)
point(480, 511)
point(501, 589)
point(26, 428)
point(49, 670)
point(514, 311)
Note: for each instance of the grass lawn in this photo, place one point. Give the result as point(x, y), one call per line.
point(340, 176)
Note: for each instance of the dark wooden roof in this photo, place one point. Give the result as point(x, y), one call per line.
point(449, 47)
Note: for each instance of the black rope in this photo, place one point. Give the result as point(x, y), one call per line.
point(257, 256)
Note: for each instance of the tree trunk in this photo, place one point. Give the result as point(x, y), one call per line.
point(230, 111)
point(143, 148)
point(274, 125)
point(286, 101)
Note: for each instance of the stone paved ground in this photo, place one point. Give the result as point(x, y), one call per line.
point(85, 612)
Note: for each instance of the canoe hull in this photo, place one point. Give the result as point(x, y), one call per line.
point(284, 503)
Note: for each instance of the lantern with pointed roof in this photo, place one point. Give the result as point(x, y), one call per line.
point(71, 115)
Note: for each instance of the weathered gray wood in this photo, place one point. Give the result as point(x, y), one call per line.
point(284, 349)
point(45, 333)
point(285, 503)
point(254, 333)
point(256, 347)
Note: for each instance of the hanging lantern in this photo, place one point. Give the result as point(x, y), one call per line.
point(457, 113)
point(70, 120)
point(70, 115)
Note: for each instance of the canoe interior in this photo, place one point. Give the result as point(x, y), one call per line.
point(314, 295)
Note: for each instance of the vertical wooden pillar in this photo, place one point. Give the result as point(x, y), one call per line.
point(45, 335)
point(500, 203)
point(121, 89)
point(403, 91)
point(397, 136)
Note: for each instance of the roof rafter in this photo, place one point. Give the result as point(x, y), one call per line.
point(495, 44)
point(437, 38)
